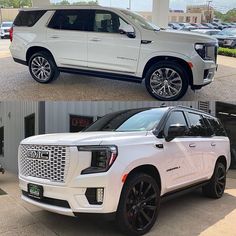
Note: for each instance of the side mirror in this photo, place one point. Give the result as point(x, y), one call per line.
point(176, 130)
point(128, 30)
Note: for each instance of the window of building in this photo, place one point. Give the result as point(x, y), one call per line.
point(78, 123)
point(2, 141)
point(30, 125)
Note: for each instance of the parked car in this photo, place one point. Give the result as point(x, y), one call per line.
point(2, 169)
point(207, 31)
point(112, 43)
point(5, 29)
point(125, 163)
point(219, 25)
point(199, 26)
point(227, 38)
point(187, 26)
point(175, 26)
point(210, 26)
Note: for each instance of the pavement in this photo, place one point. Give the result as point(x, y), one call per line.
point(190, 214)
point(16, 83)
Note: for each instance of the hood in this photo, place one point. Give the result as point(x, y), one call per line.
point(187, 36)
point(225, 37)
point(82, 138)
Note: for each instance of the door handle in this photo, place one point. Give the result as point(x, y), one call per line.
point(213, 144)
point(54, 37)
point(95, 40)
point(159, 145)
point(192, 145)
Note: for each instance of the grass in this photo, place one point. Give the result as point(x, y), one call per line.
point(227, 52)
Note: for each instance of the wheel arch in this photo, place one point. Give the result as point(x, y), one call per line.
point(149, 170)
point(34, 49)
point(179, 60)
point(222, 159)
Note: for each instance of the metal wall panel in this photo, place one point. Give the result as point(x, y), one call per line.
point(12, 116)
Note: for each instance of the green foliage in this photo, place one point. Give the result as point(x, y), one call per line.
point(229, 16)
point(15, 3)
point(227, 52)
point(65, 2)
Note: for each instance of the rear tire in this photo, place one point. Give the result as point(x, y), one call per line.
point(139, 205)
point(215, 188)
point(43, 68)
point(2, 37)
point(167, 81)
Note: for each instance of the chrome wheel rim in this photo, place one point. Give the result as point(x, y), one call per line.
point(166, 83)
point(220, 181)
point(41, 68)
point(141, 205)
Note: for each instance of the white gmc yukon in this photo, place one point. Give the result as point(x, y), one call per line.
point(124, 163)
point(112, 43)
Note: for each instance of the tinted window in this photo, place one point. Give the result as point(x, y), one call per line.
point(107, 22)
point(7, 25)
point(28, 18)
point(197, 125)
point(130, 120)
point(217, 127)
point(176, 117)
point(70, 20)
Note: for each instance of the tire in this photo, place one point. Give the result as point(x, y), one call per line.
point(2, 37)
point(43, 68)
point(215, 188)
point(140, 217)
point(170, 91)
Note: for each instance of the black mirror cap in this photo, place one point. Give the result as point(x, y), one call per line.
point(176, 130)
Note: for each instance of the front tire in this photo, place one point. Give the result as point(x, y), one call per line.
point(167, 81)
point(216, 187)
point(139, 204)
point(43, 68)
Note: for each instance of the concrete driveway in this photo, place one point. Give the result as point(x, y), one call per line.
point(16, 83)
point(190, 214)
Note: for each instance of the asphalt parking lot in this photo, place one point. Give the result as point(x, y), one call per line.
point(190, 214)
point(16, 83)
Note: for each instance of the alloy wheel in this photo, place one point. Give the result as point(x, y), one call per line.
point(141, 205)
point(220, 180)
point(166, 82)
point(41, 68)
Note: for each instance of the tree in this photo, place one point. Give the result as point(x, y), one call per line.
point(15, 3)
point(228, 16)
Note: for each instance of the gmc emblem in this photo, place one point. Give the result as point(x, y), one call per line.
point(38, 154)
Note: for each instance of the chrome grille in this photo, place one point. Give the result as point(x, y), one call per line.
point(54, 169)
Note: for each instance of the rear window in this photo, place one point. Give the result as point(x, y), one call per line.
point(28, 18)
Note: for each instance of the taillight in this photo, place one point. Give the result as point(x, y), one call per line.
point(11, 33)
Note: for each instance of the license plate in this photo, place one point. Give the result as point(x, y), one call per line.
point(35, 191)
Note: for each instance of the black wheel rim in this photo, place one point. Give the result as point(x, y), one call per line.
point(220, 180)
point(141, 205)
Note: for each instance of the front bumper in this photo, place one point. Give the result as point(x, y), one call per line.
point(4, 34)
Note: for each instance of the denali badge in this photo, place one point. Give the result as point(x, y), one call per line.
point(38, 154)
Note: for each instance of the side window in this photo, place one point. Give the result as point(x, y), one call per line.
point(217, 127)
point(197, 125)
point(28, 18)
point(176, 117)
point(107, 22)
point(70, 20)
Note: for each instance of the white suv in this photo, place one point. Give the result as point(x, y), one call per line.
point(5, 29)
point(124, 163)
point(112, 43)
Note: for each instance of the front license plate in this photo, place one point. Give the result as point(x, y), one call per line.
point(35, 191)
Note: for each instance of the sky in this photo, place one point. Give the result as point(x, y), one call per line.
point(146, 5)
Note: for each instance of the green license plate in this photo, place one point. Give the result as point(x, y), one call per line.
point(35, 191)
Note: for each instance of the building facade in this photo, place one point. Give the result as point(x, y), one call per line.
point(206, 11)
point(19, 120)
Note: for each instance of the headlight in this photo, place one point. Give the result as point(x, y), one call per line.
point(206, 51)
point(102, 158)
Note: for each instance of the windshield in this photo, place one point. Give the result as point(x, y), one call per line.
point(140, 20)
point(228, 32)
point(7, 25)
point(129, 120)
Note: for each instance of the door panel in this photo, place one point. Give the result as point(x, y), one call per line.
point(108, 49)
point(67, 37)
